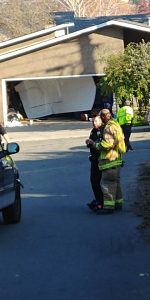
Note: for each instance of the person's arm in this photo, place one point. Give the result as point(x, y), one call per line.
point(129, 115)
point(109, 139)
point(6, 138)
point(4, 133)
point(95, 144)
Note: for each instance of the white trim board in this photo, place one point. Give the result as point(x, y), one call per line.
point(52, 77)
point(34, 35)
point(4, 101)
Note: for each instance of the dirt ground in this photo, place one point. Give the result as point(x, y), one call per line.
point(143, 196)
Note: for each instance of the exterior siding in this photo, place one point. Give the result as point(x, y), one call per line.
point(26, 43)
point(84, 55)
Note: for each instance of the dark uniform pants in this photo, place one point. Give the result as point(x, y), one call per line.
point(95, 178)
point(127, 132)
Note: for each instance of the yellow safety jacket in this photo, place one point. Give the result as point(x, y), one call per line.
point(125, 115)
point(112, 146)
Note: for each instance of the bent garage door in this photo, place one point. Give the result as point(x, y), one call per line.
point(43, 97)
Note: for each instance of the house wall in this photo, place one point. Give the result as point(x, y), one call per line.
point(26, 43)
point(83, 55)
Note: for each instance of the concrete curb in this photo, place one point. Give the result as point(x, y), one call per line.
point(141, 129)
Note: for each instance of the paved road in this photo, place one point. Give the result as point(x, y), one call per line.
point(60, 250)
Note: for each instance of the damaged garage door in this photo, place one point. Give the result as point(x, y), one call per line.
point(46, 97)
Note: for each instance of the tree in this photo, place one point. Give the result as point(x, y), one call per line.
point(128, 73)
point(20, 17)
point(143, 6)
point(94, 8)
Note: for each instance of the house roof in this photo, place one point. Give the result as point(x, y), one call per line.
point(138, 26)
point(81, 23)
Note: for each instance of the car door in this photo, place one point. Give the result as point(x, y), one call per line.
point(8, 193)
point(2, 190)
point(1, 177)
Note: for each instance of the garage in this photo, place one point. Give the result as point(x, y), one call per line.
point(52, 74)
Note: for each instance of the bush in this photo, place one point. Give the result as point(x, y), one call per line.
point(139, 119)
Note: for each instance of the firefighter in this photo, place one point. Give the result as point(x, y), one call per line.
point(95, 173)
point(111, 149)
point(125, 118)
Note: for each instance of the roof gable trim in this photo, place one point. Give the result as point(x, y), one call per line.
point(33, 35)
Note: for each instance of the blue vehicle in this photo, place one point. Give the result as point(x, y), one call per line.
point(10, 196)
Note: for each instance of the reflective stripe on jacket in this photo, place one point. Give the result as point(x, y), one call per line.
point(125, 115)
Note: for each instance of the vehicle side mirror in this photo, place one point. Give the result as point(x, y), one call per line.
point(12, 148)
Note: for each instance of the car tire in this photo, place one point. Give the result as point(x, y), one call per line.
point(12, 213)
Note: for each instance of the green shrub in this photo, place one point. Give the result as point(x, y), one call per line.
point(139, 119)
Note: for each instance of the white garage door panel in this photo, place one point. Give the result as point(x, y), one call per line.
point(53, 96)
